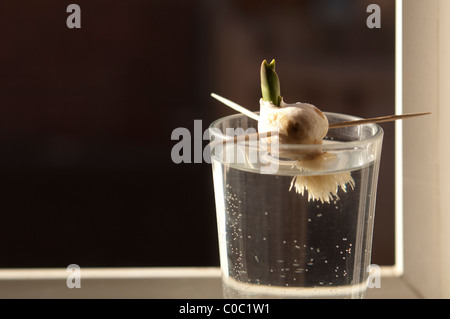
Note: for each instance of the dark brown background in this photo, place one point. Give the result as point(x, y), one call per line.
point(86, 116)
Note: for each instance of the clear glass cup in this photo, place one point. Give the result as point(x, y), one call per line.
point(279, 236)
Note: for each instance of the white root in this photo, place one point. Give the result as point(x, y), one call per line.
point(323, 188)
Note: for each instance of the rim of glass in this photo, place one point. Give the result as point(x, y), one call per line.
point(331, 144)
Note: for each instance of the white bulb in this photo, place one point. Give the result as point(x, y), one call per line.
point(303, 123)
point(298, 123)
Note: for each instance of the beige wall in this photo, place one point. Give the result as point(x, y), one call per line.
point(426, 87)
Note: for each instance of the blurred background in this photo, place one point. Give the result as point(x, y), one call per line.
point(86, 116)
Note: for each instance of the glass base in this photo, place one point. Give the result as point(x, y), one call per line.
point(233, 289)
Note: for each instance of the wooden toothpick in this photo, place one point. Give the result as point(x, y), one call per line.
point(380, 119)
point(236, 107)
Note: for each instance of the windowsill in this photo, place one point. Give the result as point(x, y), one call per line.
point(146, 283)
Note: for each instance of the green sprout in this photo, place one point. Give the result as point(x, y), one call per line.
point(270, 84)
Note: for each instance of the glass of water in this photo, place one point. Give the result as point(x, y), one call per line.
point(279, 236)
